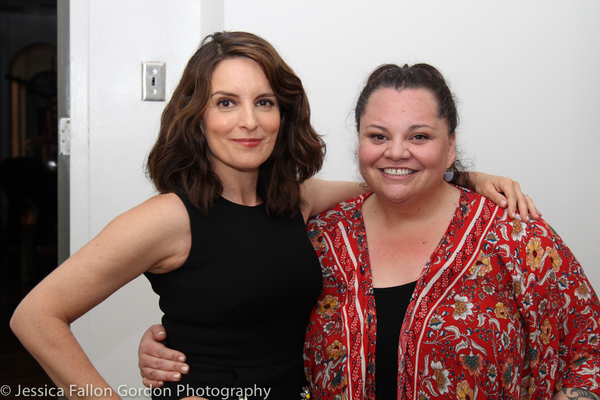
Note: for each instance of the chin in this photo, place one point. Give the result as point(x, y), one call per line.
point(393, 197)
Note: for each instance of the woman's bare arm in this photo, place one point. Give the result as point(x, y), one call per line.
point(320, 195)
point(504, 192)
point(151, 237)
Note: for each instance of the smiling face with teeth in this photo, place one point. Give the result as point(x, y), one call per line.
point(404, 146)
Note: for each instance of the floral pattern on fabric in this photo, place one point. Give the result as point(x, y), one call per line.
point(501, 310)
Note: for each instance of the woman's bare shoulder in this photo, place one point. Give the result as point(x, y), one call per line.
point(165, 209)
point(164, 221)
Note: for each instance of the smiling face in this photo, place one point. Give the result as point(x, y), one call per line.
point(404, 147)
point(242, 119)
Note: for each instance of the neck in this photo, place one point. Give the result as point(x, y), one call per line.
point(426, 207)
point(240, 188)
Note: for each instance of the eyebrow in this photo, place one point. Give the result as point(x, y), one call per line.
point(228, 94)
point(412, 128)
point(223, 94)
point(419, 126)
point(382, 128)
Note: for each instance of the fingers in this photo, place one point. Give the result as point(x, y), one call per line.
point(497, 189)
point(526, 208)
point(158, 332)
point(151, 345)
point(497, 198)
point(157, 370)
point(523, 207)
point(533, 210)
point(517, 201)
point(152, 384)
point(157, 362)
point(514, 197)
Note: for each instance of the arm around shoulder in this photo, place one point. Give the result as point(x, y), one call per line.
point(153, 236)
point(503, 191)
point(320, 195)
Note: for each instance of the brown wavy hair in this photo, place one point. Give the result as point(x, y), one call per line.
point(180, 158)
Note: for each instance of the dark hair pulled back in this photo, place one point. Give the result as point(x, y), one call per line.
point(417, 76)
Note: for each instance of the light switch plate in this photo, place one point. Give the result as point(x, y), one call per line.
point(153, 81)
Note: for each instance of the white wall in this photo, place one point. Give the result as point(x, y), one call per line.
point(112, 133)
point(526, 75)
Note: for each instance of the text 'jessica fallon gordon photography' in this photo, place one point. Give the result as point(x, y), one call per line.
point(125, 391)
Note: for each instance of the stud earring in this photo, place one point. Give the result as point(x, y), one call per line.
point(448, 175)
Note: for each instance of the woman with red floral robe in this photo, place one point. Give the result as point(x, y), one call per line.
point(494, 307)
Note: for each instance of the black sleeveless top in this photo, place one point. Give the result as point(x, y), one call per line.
point(239, 306)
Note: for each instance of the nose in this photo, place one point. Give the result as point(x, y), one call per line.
point(397, 150)
point(248, 119)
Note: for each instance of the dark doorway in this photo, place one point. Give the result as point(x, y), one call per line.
point(28, 176)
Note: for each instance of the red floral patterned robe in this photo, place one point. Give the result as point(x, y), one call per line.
point(501, 310)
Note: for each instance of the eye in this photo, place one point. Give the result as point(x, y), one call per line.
point(377, 137)
point(420, 137)
point(265, 103)
point(226, 103)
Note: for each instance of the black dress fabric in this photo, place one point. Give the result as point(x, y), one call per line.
point(391, 304)
point(239, 306)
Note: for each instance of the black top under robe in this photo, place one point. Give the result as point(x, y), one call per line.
point(391, 304)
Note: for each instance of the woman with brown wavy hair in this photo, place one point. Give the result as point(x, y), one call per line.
point(224, 244)
point(181, 159)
